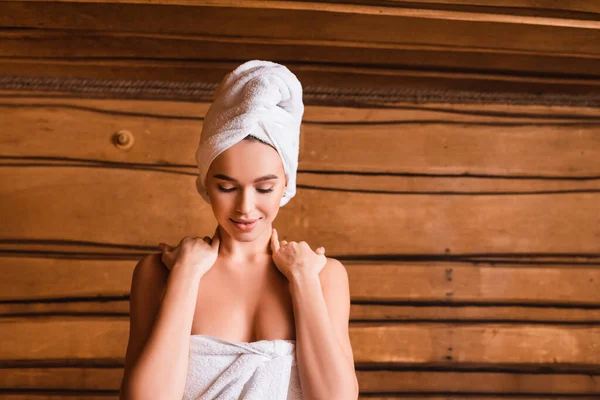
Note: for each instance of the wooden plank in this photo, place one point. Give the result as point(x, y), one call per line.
point(29, 278)
point(398, 112)
point(48, 278)
point(527, 49)
point(72, 378)
point(104, 305)
point(493, 313)
point(457, 149)
point(95, 341)
point(368, 24)
point(476, 383)
point(437, 345)
point(82, 250)
point(54, 44)
point(87, 378)
point(463, 283)
point(422, 142)
point(452, 184)
point(542, 7)
point(539, 6)
point(414, 84)
point(115, 211)
point(337, 88)
point(552, 347)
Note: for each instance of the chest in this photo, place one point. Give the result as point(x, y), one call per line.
point(245, 304)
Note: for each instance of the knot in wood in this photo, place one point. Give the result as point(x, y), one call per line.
point(123, 139)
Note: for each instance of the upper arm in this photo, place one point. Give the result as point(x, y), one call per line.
point(147, 287)
point(336, 291)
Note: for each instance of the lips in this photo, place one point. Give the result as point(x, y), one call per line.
point(245, 227)
point(245, 221)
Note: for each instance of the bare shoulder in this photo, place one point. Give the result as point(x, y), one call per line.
point(333, 272)
point(335, 283)
point(149, 271)
point(148, 282)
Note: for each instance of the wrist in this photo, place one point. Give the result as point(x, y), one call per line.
point(190, 270)
point(302, 279)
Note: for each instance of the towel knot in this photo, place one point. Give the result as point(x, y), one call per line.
point(220, 368)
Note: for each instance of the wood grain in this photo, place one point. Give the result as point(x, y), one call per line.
point(521, 47)
point(109, 206)
point(369, 381)
point(101, 304)
point(421, 142)
point(267, 19)
point(556, 347)
point(420, 83)
point(436, 283)
point(470, 232)
point(48, 45)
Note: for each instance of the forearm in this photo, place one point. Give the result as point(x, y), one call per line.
point(161, 368)
point(323, 369)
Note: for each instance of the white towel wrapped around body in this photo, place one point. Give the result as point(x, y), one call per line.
point(258, 98)
point(225, 370)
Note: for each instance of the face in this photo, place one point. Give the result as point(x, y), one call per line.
point(242, 197)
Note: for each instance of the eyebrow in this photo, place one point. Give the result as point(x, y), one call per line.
point(262, 178)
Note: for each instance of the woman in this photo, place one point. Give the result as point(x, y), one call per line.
point(242, 314)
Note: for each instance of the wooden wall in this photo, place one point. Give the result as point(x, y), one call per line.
point(470, 235)
point(537, 47)
point(455, 174)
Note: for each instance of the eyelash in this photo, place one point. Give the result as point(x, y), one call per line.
point(232, 189)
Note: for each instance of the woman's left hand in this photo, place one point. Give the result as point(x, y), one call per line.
point(296, 260)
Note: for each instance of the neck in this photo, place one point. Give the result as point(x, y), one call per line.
point(236, 249)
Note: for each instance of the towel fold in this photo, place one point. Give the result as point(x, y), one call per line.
point(222, 369)
point(258, 98)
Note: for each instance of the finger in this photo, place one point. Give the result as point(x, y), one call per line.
point(321, 250)
point(164, 247)
point(283, 242)
point(180, 242)
point(274, 240)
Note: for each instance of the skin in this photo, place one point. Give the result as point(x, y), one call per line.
point(246, 260)
point(246, 161)
point(242, 280)
point(268, 289)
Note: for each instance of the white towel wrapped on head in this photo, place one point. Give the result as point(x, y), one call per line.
point(258, 98)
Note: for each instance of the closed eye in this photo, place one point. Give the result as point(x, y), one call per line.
point(222, 189)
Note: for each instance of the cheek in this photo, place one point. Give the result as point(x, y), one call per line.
point(220, 204)
point(274, 205)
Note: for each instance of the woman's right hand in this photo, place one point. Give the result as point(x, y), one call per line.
point(192, 252)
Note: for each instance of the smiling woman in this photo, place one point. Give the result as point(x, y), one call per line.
point(245, 184)
point(242, 314)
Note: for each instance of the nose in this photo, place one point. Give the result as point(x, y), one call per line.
point(245, 202)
